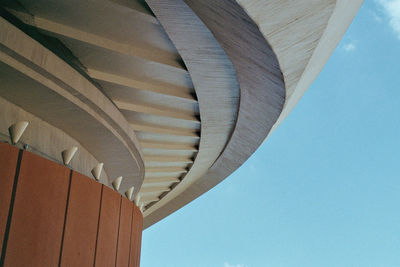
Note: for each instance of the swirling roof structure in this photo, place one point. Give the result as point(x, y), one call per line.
point(172, 95)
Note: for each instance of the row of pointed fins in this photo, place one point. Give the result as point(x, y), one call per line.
point(17, 130)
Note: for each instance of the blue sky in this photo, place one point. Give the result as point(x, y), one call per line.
point(324, 189)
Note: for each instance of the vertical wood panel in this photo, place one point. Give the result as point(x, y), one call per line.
point(136, 237)
point(8, 164)
point(81, 222)
point(124, 235)
point(108, 228)
point(97, 225)
point(38, 216)
point(139, 230)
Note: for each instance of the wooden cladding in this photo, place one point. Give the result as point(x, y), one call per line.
point(82, 218)
point(136, 238)
point(37, 220)
point(53, 216)
point(124, 227)
point(8, 165)
point(107, 237)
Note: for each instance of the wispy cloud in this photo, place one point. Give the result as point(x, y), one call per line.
point(349, 47)
point(391, 9)
point(226, 264)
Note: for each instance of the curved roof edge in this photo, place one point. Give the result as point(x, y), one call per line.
point(302, 36)
point(214, 80)
point(46, 86)
point(262, 94)
point(339, 21)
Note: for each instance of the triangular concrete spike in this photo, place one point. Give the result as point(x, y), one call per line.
point(97, 171)
point(141, 207)
point(137, 199)
point(129, 193)
point(68, 154)
point(16, 130)
point(117, 183)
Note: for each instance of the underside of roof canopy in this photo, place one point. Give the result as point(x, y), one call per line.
point(172, 95)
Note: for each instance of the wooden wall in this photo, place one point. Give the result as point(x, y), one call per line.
point(53, 216)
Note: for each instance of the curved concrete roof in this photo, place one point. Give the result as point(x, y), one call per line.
point(44, 85)
point(261, 96)
point(191, 87)
point(302, 35)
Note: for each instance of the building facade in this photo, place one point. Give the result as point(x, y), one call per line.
point(116, 113)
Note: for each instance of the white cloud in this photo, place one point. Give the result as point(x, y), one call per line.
point(226, 264)
point(392, 11)
point(349, 47)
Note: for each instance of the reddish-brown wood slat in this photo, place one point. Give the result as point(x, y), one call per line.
point(132, 256)
point(91, 224)
point(136, 236)
point(108, 228)
point(81, 222)
point(124, 233)
point(139, 230)
point(8, 165)
point(38, 216)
